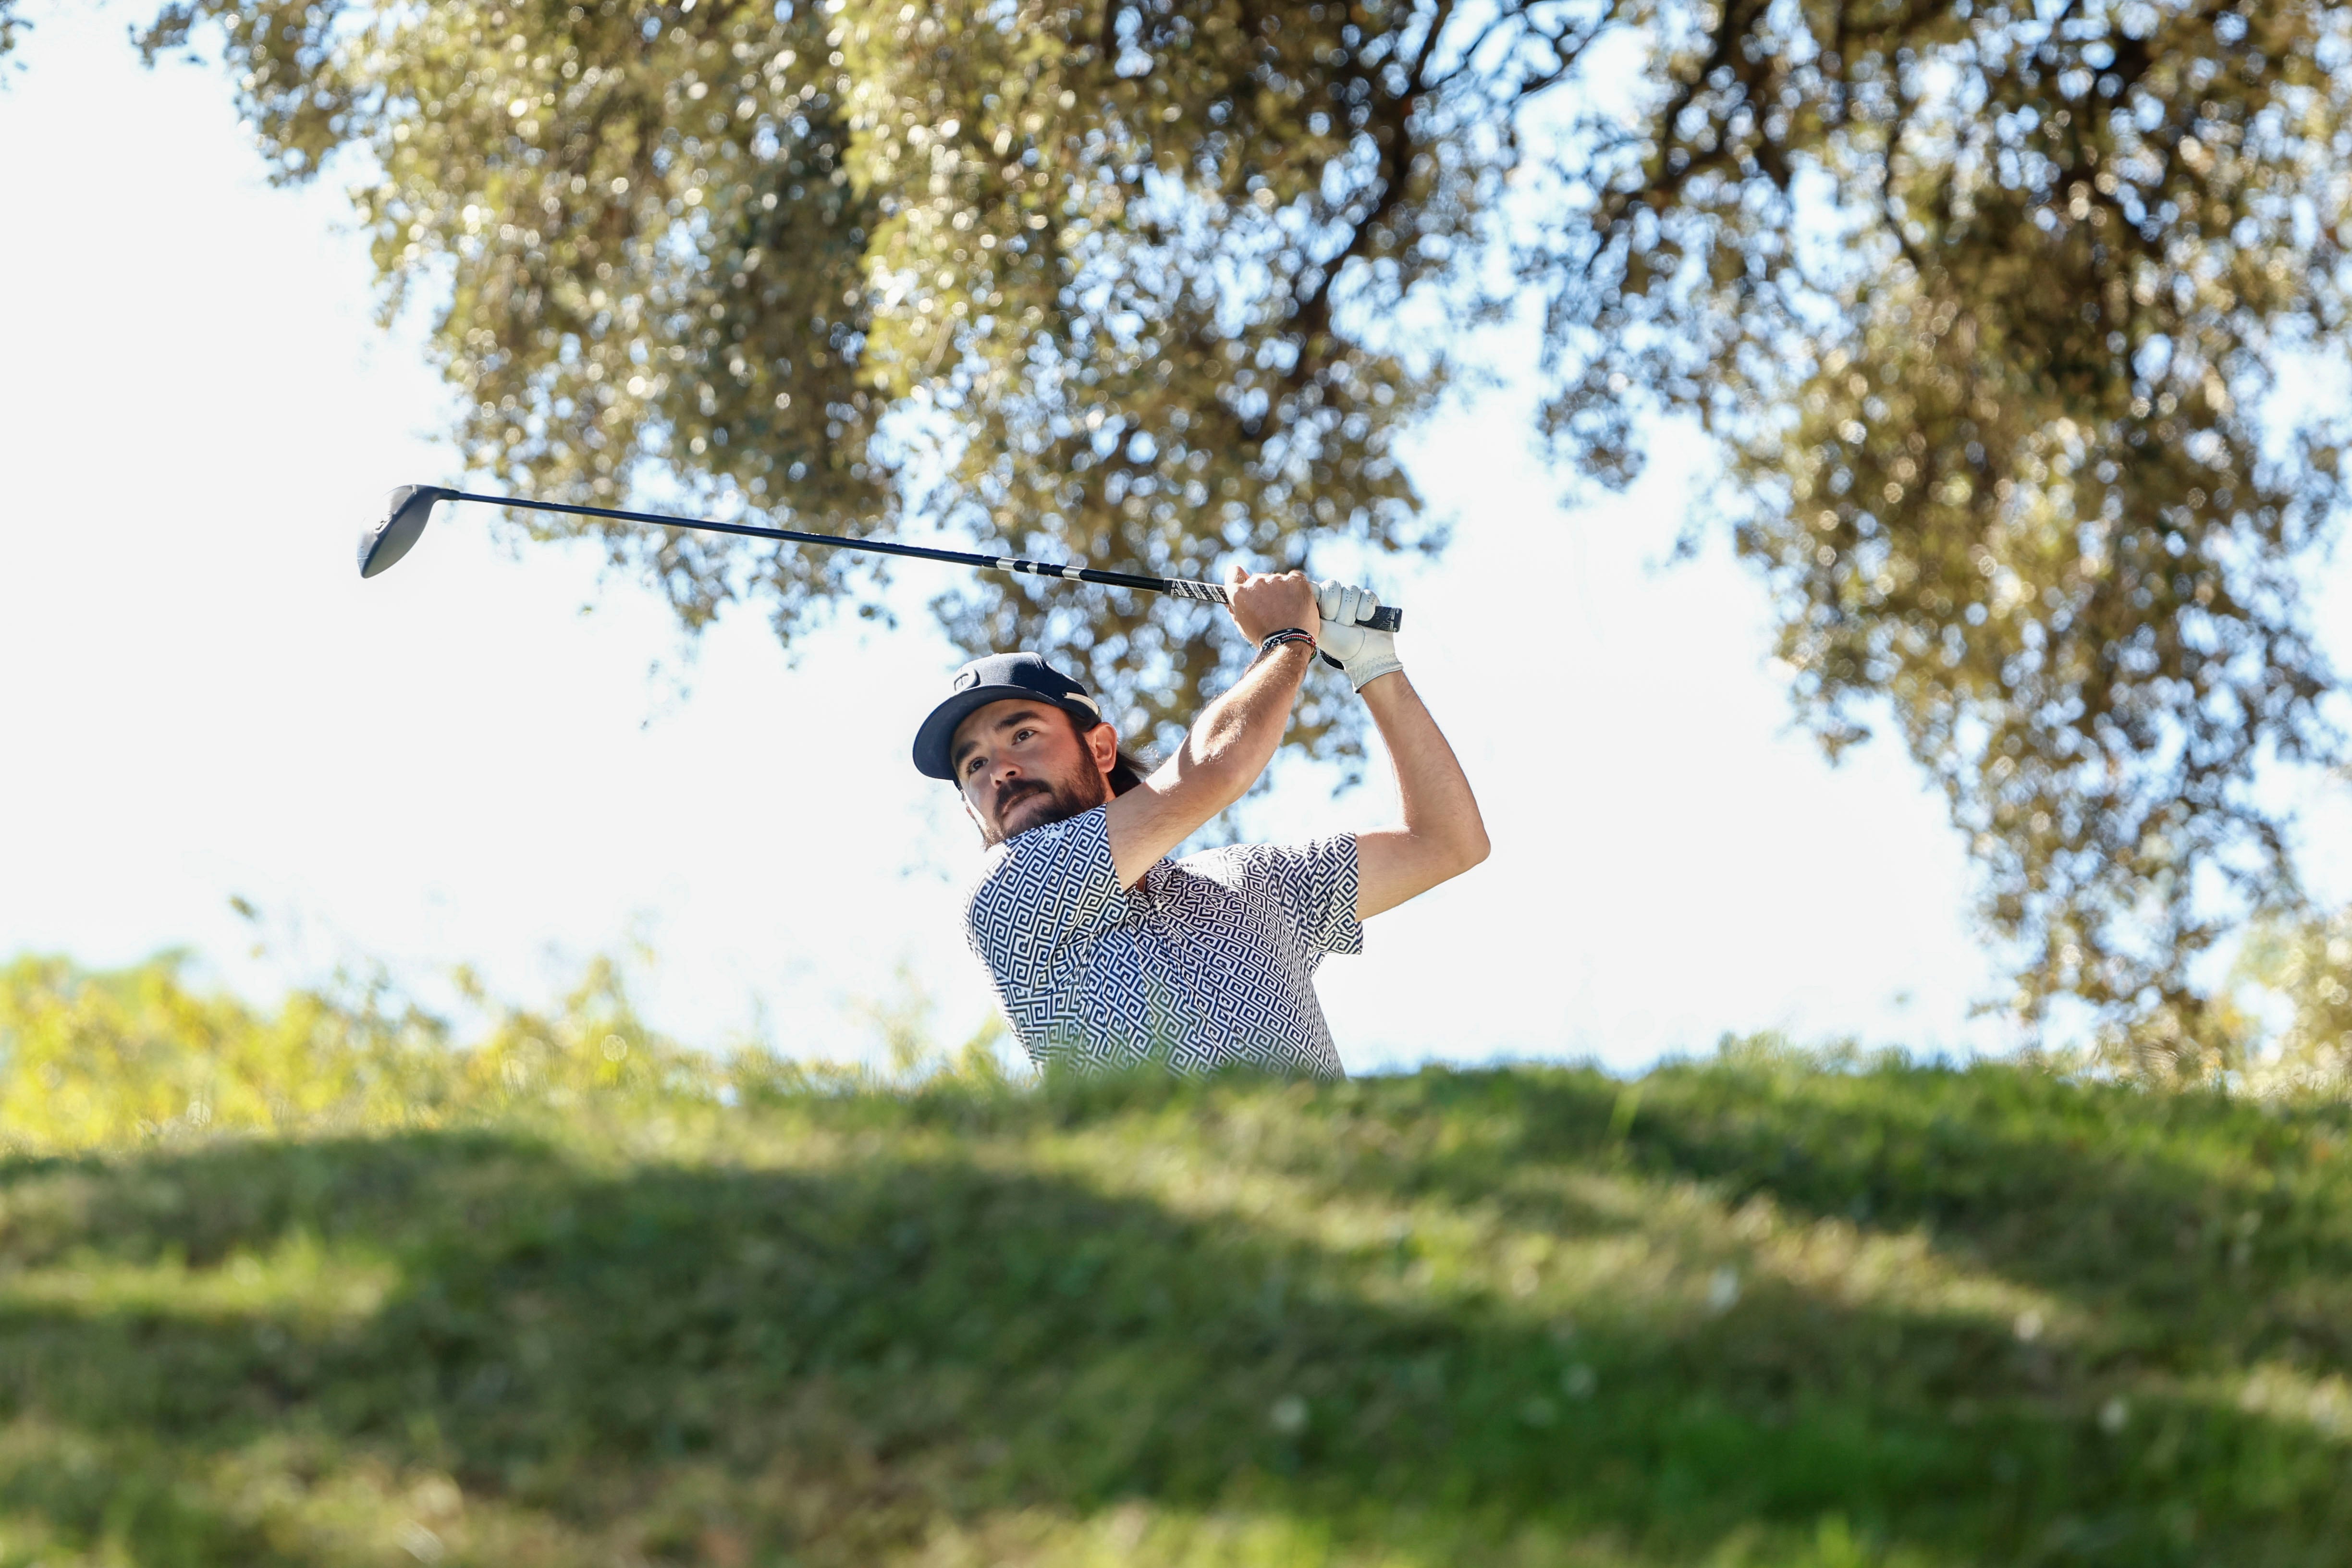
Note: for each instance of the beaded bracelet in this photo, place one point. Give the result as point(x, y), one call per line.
point(1287, 635)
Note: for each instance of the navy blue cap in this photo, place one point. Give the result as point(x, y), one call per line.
point(996, 679)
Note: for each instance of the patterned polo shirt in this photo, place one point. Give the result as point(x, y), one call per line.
point(1208, 961)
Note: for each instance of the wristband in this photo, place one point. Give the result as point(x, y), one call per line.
point(1287, 635)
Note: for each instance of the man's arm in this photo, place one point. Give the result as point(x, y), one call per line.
point(1232, 740)
point(1442, 835)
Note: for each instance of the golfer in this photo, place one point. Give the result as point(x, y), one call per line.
point(1106, 952)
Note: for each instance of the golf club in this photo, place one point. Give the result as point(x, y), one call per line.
point(407, 509)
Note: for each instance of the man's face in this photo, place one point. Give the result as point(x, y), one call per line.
point(1022, 764)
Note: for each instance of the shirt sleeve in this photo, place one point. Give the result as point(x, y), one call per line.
point(1046, 889)
point(1312, 884)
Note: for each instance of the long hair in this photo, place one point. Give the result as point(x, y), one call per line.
point(1127, 772)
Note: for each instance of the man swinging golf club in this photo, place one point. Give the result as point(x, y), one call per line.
point(1106, 952)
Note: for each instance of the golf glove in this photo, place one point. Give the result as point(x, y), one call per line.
point(1364, 654)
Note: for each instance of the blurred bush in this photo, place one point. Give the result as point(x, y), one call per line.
point(93, 1058)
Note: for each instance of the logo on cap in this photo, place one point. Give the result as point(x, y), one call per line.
point(966, 679)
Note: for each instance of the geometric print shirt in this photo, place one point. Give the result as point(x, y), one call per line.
point(1208, 961)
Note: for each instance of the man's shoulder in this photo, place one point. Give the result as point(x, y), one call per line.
point(1310, 888)
point(1075, 847)
point(1043, 898)
point(1225, 863)
point(1236, 863)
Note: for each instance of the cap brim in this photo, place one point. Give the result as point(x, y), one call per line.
point(937, 733)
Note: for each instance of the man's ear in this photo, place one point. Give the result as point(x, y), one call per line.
point(1102, 744)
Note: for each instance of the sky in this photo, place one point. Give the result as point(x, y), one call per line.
point(501, 759)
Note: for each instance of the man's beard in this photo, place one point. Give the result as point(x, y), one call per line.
point(1062, 802)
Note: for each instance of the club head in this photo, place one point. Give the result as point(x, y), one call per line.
point(404, 514)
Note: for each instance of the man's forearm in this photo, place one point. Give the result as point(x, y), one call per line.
point(1432, 790)
point(1223, 754)
point(1442, 835)
point(1235, 736)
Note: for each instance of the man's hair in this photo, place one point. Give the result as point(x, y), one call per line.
point(1127, 772)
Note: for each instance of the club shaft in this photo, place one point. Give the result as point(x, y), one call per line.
point(1388, 618)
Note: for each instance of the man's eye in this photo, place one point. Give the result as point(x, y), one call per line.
point(1023, 734)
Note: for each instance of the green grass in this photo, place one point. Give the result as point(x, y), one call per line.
point(1758, 1309)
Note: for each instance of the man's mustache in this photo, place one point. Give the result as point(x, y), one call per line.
point(1006, 793)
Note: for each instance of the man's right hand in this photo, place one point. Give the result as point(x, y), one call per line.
point(1266, 603)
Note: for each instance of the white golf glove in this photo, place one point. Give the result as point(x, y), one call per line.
point(1364, 654)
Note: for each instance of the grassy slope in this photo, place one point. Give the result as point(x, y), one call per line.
point(1746, 1311)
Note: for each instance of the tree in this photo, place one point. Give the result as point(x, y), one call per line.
point(2305, 966)
point(1990, 309)
point(856, 271)
point(1985, 307)
point(12, 27)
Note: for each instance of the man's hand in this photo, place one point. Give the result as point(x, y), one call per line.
point(1264, 603)
point(1364, 654)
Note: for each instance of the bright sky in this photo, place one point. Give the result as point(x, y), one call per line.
point(466, 761)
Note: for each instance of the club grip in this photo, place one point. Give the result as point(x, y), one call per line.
point(1384, 619)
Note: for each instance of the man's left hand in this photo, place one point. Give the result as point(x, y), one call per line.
point(1364, 654)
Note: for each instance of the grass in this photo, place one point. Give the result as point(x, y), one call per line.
point(1763, 1309)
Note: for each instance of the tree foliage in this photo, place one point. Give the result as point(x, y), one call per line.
point(1986, 306)
point(13, 27)
point(2305, 963)
point(863, 266)
point(1990, 307)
